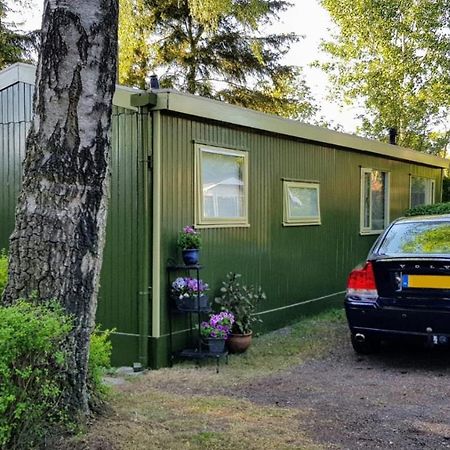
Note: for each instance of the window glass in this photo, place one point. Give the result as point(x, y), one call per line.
point(222, 185)
point(367, 190)
point(422, 191)
point(374, 200)
point(417, 238)
point(301, 203)
point(378, 201)
point(208, 205)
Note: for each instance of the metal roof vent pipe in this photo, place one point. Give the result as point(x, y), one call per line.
point(154, 82)
point(393, 136)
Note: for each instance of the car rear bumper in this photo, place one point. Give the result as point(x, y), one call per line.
point(371, 319)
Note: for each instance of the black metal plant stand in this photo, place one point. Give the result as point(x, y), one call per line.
point(195, 351)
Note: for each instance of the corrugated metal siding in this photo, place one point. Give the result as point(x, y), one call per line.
point(293, 264)
point(118, 297)
point(118, 300)
point(15, 116)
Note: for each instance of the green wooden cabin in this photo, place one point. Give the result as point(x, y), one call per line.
point(290, 206)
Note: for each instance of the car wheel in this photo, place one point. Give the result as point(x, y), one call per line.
point(366, 347)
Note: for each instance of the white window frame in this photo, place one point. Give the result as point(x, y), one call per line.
point(432, 192)
point(368, 230)
point(288, 220)
point(218, 222)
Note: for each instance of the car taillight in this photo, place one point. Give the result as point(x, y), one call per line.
point(361, 283)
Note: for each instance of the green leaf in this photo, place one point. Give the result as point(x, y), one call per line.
point(215, 49)
point(393, 59)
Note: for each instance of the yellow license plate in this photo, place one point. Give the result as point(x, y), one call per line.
point(426, 281)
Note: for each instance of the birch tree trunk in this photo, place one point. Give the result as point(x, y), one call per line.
point(57, 245)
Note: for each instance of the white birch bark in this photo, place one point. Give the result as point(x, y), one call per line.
point(56, 247)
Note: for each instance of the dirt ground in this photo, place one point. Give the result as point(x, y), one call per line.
point(396, 399)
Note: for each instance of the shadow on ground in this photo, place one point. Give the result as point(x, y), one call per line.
point(398, 398)
point(302, 387)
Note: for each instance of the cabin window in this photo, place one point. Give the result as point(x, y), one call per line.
point(374, 201)
point(421, 191)
point(222, 186)
point(301, 203)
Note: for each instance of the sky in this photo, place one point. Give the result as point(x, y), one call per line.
point(305, 17)
point(310, 20)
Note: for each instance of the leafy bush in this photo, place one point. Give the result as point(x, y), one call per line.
point(424, 210)
point(189, 238)
point(241, 301)
point(32, 367)
point(31, 363)
point(3, 270)
point(99, 361)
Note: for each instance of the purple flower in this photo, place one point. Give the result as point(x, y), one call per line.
point(187, 287)
point(189, 230)
point(179, 283)
point(192, 284)
point(218, 326)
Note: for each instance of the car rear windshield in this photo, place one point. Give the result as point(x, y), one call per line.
point(417, 238)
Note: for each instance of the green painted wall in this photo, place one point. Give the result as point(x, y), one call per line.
point(302, 269)
point(119, 298)
point(293, 264)
point(118, 305)
point(15, 117)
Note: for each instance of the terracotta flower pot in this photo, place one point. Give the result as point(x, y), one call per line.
point(239, 343)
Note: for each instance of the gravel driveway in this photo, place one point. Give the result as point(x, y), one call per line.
point(396, 399)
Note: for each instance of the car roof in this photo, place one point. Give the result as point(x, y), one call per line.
point(429, 218)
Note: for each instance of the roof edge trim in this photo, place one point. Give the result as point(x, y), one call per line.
point(212, 109)
point(26, 73)
point(194, 105)
point(17, 73)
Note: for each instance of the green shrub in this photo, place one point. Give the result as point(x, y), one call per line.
point(3, 270)
point(189, 238)
point(424, 210)
point(31, 364)
point(99, 361)
point(241, 301)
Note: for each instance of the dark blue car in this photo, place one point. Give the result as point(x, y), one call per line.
point(403, 289)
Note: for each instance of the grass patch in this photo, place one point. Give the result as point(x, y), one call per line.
point(194, 408)
point(170, 421)
point(310, 337)
point(270, 353)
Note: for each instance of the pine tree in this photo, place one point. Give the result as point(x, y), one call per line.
point(14, 45)
point(216, 49)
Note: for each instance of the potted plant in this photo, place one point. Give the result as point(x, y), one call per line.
point(216, 330)
point(190, 294)
point(241, 301)
point(189, 240)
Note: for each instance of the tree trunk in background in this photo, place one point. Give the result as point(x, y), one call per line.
point(57, 245)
